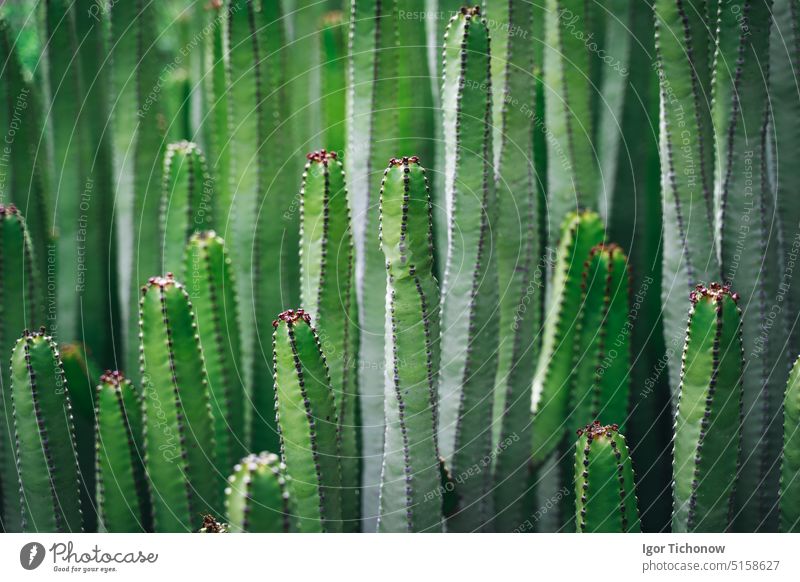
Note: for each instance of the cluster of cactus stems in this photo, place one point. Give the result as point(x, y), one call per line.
point(381, 404)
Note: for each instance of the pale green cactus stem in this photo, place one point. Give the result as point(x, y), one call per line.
point(178, 423)
point(122, 497)
point(211, 287)
point(187, 201)
point(308, 427)
point(707, 434)
point(469, 325)
point(46, 453)
point(604, 482)
point(257, 497)
point(790, 464)
point(411, 485)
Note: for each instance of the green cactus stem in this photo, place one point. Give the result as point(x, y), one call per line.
point(469, 291)
point(186, 201)
point(211, 287)
point(708, 420)
point(47, 462)
point(334, 80)
point(552, 382)
point(257, 497)
point(327, 266)
point(122, 498)
point(411, 494)
point(604, 482)
point(602, 357)
point(178, 424)
point(307, 424)
point(790, 464)
point(19, 309)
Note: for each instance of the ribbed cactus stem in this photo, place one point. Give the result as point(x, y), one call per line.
point(327, 266)
point(602, 356)
point(790, 464)
point(334, 80)
point(307, 423)
point(708, 420)
point(470, 324)
point(257, 497)
point(122, 497)
point(186, 200)
point(47, 463)
point(18, 311)
point(178, 424)
point(604, 481)
point(211, 287)
point(551, 385)
point(411, 495)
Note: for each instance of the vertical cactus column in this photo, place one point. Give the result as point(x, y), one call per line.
point(552, 382)
point(186, 201)
point(19, 309)
point(604, 482)
point(469, 291)
point(257, 497)
point(212, 289)
point(790, 463)
point(47, 462)
point(328, 294)
point(410, 497)
point(178, 425)
point(334, 81)
point(307, 424)
point(708, 420)
point(122, 497)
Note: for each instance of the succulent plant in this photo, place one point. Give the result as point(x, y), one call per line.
point(334, 80)
point(411, 499)
point(123, 503)
point(178, 423)
point(46, 453)
point(790, 463)
point(308, 425)
point(708, 420)
point(604, 481)
point(257, 497)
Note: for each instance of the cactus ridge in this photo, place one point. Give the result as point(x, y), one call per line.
point(790, 464)
point(257, 497)
point(40, 397)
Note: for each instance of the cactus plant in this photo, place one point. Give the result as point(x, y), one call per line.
point(307, 424)
point(790, 463)
point(178, 424)
point(47, 462)
point(186, 201)
point(211, 287)
point(410, 478)
point(469, 291)
point(257, 497)
point(708, 419)
point(19, 309)
point(604, 481)
point(122, 496)
point(552, 382)
point(334, 89)
point(328, 295)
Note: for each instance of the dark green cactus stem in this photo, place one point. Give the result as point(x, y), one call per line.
point(47, 460)
point(327, 266)
point(257, 497)
point(334, 81)
point(178, 424)
point(602, 356)
point(187, 200)
point(604, 482)
point(307, 424)
point(552, 382)
point(211, 288)
point(708, 421)
point(411, 493)
point(469, 291)
point(122, 497)
point(790, 464)
point(19, 309)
